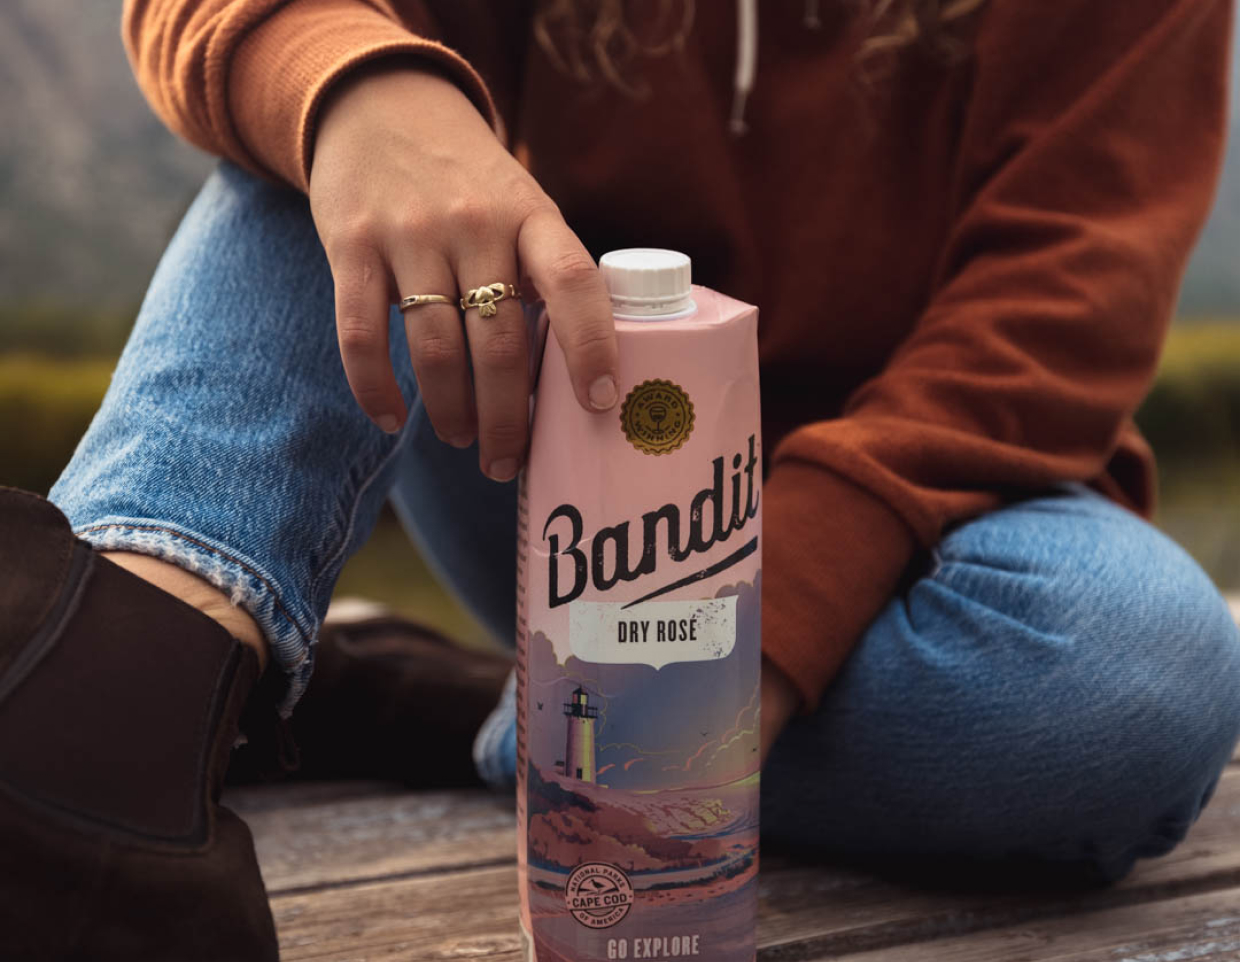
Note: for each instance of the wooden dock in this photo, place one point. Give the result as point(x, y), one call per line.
point(366, 871)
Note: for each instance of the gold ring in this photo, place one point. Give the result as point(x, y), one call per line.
point(485, 298)
point(417, 300)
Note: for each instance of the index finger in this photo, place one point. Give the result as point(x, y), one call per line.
point(578, 305)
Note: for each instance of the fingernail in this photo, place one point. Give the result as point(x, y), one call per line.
point(461, 441)
point(504, 469)
point(388, 423)
point(603, 392)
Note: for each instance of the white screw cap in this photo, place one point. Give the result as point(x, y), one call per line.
point(647, 280)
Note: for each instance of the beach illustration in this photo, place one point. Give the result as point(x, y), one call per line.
point(652, 772)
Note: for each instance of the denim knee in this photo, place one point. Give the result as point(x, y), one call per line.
point(1163, 725)
point(1063, 686)
point(1137, 707)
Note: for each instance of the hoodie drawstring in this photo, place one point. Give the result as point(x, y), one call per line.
point(746, 62)
point(747, 56)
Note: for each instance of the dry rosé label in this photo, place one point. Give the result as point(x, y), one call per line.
point(656, 633)
point(657, 417)
point(598, 894)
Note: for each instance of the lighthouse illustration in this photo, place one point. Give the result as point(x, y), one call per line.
point(579, 748)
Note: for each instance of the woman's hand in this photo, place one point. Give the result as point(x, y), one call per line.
point(412, 193)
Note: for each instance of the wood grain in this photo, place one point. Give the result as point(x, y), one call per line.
point(378, 879)
point(307, 835)
point(348, 839)
point(456, 915)
point(1200, 927)
point(870, 912)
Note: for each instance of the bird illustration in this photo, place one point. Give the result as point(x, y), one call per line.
point(704, 734)
point(540, 706)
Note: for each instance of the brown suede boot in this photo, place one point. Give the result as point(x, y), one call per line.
point(392, 699)
point(119, 705)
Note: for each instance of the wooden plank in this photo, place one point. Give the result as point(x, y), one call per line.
point(1200, 927)
point(457, 915)
point(817, 917)
point(472, 914)
point(871, 913)
point(807, 911)
point(347, 839)
point(310, 835)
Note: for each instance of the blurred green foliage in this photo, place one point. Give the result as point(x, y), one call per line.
point(1192, 414)
point(55, 329)
point(45, 406)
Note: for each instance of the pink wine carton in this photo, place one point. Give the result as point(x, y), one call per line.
point(638, 652)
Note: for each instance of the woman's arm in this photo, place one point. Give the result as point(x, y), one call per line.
point(244, 79)
point(1088, 159)
point(395, 138)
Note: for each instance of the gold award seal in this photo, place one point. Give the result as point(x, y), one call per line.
point(657, 417)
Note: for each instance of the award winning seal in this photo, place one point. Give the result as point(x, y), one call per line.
point(657, 417)
point(598, 894)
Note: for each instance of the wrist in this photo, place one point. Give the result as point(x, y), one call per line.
point(386, 85)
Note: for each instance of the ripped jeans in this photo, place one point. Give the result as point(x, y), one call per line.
point(1062, 684)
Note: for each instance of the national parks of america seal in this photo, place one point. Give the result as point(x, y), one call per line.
point(657, 417)
point(598, 894)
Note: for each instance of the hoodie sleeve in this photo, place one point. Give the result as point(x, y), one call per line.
point(1088, 158)
point(243, 78)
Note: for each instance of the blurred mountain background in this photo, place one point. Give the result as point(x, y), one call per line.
point(92, 186)
point(1212, 284)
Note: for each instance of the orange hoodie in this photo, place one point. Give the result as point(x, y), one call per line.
point(965, 271)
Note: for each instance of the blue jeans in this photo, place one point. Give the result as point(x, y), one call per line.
point(1062, 682)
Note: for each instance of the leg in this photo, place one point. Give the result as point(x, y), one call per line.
point(467, 532)
point(230, 446)
point(380, 684)
point(199, 593)
point(1062, 687)
point(119, 705)
point(228, 443)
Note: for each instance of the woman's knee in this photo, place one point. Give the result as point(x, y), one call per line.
point(1116, 681)
point(1065, 686)
point(1168, 710)
point(1148, 757)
